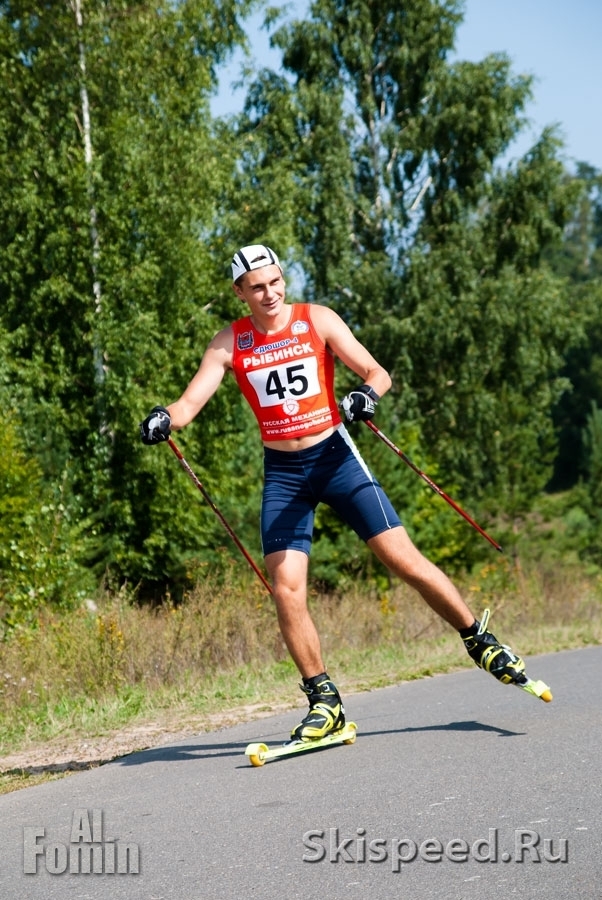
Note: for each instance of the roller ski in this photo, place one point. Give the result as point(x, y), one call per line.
point(498, 659)
point(323, 725)
point(259, 754)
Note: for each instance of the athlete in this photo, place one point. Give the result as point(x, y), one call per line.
point(282, 356)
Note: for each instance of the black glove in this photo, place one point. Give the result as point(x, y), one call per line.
point(156, 427)
point(359, 405)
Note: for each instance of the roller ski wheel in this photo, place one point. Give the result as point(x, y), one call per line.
point(259, 753)
point(256, 754)
point(537, 688)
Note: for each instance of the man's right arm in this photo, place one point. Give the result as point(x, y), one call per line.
point(216, 361)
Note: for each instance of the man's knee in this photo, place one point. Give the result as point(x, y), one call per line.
point(395, 550)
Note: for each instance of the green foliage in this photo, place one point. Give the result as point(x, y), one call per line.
point(592, 494)
point(42, 545)
point(578, 258)
point(579, 255)
point(112, 267)
point(371, 163)
point(410, 231)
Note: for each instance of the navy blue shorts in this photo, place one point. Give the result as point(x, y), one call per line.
point(330, 472)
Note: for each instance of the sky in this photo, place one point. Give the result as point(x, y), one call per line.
point(556, 41)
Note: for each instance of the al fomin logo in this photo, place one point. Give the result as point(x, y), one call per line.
point(87, 853)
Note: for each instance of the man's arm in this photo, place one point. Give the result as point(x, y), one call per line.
point(339, 337)
point(216, 361)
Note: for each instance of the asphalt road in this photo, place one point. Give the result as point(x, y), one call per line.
point(457, 788)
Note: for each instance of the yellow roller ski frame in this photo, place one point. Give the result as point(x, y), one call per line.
point(260, 753)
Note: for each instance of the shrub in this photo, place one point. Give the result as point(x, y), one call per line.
point(42, 540)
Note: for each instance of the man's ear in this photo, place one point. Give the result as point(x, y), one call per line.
point(237, 290)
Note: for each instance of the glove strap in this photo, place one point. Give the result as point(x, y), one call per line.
point(366, 389)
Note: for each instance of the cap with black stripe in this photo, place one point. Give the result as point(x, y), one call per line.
point(254, 256)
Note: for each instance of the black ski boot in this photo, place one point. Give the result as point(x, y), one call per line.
point(326, 713)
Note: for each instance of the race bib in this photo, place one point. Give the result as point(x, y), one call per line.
point(288, 381)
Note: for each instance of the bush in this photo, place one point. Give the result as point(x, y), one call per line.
point(42, 541)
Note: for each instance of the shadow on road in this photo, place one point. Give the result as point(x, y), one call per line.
point(205, 751)
point(196, 751)
point(450, 726)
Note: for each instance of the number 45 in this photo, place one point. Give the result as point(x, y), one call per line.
point(296, 384)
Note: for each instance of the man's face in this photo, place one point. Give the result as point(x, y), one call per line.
point(263, 290)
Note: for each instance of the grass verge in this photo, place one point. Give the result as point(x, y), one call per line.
point(82, 679)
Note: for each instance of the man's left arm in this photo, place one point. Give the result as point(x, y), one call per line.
point(360, 403)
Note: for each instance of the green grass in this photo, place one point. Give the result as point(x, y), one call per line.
point(91, 673)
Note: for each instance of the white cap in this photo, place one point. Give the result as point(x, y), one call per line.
point(253, 257)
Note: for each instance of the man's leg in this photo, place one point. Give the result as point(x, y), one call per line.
point(396, 551)
point(288, 572)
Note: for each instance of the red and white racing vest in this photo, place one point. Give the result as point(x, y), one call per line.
point(287, 378)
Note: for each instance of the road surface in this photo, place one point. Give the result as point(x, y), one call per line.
point(457, 788)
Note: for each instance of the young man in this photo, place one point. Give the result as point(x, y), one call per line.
point(282, 357)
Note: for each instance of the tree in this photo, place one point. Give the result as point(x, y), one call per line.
point(371, 164)
point(578, 258)
point(593, 444)
point(151, 178)
point(407, 226)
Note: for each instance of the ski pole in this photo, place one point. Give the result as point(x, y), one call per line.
point(430, 483)
point(230, 531)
